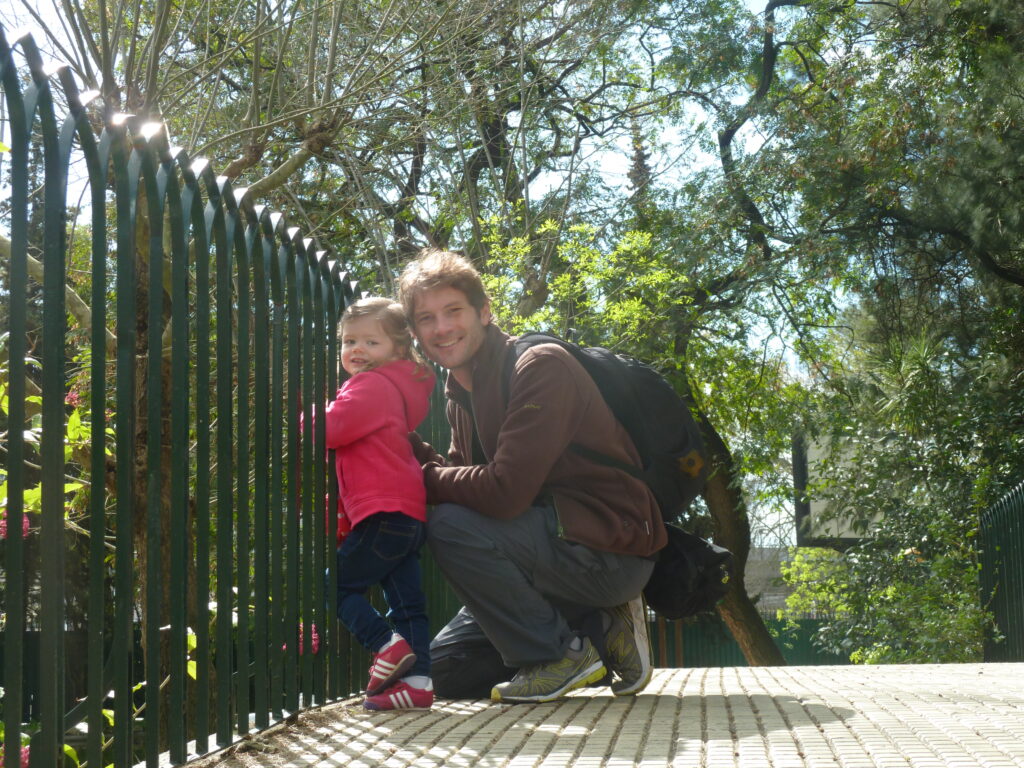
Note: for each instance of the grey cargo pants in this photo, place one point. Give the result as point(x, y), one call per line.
point(522, 584)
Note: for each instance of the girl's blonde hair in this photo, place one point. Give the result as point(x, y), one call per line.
point(391, 317)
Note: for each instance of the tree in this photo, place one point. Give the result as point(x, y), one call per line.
point(786, 165)
point(926, 446)
point(380, 127)
point(923, 383)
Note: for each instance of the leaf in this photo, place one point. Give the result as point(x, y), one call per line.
point(76, 431)
point(191, 668)
point(33, 498)
point(4, 148)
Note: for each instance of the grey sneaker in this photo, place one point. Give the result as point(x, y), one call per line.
point(629, 647)
point(546, 682)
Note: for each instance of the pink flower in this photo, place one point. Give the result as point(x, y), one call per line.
point(24, 758)
point(73, 398)
point(315, 635)
point(3, 526)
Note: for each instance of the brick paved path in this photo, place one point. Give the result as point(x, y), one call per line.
point(929, 716)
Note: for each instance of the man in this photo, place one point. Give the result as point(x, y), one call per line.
point(548, 550)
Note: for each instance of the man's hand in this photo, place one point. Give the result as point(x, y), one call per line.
point(424, 451)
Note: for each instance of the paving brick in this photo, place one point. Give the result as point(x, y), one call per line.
point(927, 716)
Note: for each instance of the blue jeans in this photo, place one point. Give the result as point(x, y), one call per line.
point(384, 549)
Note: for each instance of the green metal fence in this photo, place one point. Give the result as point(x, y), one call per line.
point(163, 347)
point(1001, 544)
point(705, 641)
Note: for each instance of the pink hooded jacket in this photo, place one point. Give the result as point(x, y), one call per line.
point(368, 424)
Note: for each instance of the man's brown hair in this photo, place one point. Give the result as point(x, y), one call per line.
point(435, 268)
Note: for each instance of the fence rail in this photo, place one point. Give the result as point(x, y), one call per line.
point(153, 446)
point(1002, 575)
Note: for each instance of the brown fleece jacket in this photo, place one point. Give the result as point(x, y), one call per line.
point(552, 402)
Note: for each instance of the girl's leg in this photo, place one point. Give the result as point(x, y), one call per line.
point(403, 590)
point(360, 567)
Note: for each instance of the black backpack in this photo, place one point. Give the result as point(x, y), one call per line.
point(691, 574)
point(656, 418)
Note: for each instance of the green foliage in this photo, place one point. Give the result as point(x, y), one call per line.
point(891, 607)
point(929, 613)
point(877, 161)
point(77, 437)
point(70, 755)
point(921, 446)
point(819, 588)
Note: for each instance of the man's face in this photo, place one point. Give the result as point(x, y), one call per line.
point(450, 329)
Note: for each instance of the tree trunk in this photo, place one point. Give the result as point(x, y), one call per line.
point(732, 531)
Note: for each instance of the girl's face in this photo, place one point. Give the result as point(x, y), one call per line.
point(364, 345)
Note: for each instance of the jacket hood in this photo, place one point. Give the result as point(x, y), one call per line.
point(415, 383)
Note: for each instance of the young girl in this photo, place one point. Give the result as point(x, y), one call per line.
point(381, 500)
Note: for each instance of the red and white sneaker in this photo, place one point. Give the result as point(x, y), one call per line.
point(401, 695)
point(389, 665)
